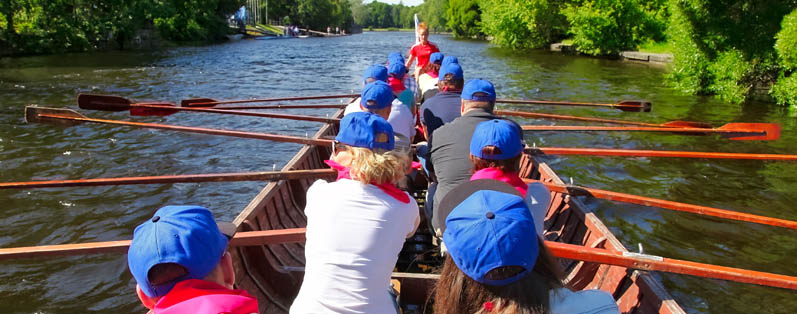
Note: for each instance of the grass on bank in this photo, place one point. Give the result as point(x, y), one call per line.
point(656, 47)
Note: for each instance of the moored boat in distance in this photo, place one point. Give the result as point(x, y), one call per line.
point(274, 273)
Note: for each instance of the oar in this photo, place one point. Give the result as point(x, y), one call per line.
point(186, 178)
point(560, 250)
point(536, 115)
point(654, 202)
point(652, 153)
point(210, 102)
point(68, 117)
point(626, 105)
point(144, 109)
point(733, 131)
point(111, 103)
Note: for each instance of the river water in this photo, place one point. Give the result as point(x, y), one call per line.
point(316, 66)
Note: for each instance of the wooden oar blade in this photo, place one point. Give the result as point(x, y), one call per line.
point(634, 106)
point(767, 131)
point(103, 102)
point(687, 124)
point(33, 114)
point(198, 102)
point(150, 111)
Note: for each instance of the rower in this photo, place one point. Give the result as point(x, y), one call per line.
point(373, 73)
point(427, 81)
point(495, 151)
point(497, 263)
point(357, 225)
point(401, 115)
point(180, 261)
point(449, 163)
point(445, 106)
point(409, 80)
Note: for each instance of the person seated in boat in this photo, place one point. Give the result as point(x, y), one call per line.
point(409, 81)
point(180, 262)
point(401, 115)
point(445, 106)
point(422, 50)
point(357, 225)
point(448, 162)
point(376, 72)
point(497, 263)
point(379, 98)
point(427, 81)
point(495, 150)
point(375, 98)
point(449, 59)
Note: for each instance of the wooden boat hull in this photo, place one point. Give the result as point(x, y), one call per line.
point(274, 273)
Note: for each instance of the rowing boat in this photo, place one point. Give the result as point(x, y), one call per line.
point(274, 272)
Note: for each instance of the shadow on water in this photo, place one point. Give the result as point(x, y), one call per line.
point(255, 69)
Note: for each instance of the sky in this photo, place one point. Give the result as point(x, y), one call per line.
point(406, 2)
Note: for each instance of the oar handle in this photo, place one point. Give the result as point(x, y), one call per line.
point(213, 103)
point(654, 202)
point(241, 113)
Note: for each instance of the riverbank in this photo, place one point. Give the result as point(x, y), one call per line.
point(639, 56)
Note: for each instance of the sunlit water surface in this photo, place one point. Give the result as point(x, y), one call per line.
point(297, 67)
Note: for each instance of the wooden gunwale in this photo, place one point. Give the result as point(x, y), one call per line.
point(274, 273)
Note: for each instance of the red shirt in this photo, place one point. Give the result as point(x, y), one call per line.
point(204, 297)
point(422, 52)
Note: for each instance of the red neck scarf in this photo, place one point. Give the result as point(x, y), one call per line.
point(509, 177)
point(388, 188)
point(396, 84)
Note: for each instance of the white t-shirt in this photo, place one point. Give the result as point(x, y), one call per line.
point(427, 82)
point(564, 301)
point(400, 118)
point(354, 234)
point(538, 199)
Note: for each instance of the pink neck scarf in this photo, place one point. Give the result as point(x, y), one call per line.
point(389, 188)
point(496, 174)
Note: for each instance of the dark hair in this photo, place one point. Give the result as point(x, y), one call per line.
point(451, 82)
point(164, 273)
point(456, 292)
point(506, 165)
point(486, 105)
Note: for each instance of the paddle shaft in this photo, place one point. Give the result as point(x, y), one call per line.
point(561, 250)
point(537, 115)
point(253, 135)
point(213, 103)
point(732, 133)
point(654, 202)
point(282, 107)
point(239, 113)
point(629, 106)
point(652, 153)
point(192, 178)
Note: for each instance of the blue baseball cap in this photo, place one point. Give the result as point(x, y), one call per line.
point(491, 229)
point(377, 72)
point(183, 235)
point(451, 68)
point(449, 59)
point(366, 130)
point(397, 70)
point(501, 133)
point(436, 57)
point(478, 86)
point(395, 57)
point(379, 92)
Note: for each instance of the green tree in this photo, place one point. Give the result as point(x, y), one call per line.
point(522, 23)
point(601, 27)
point(785, 89)
point(464, 18)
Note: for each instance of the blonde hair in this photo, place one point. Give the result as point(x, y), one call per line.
point(422, 26)
point(374, 166)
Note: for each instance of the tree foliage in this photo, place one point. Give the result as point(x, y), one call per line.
point(463, 17)
point(785, 89)
point(604, 27)
point(725, 47)
point(522, 23)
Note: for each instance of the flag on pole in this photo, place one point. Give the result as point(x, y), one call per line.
point(417, 39)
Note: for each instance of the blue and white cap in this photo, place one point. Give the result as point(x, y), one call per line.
point(183, 235)
point(379, 92)
point(366, 130)
point(506, 135)
point(478, 86)
point(488, 230)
